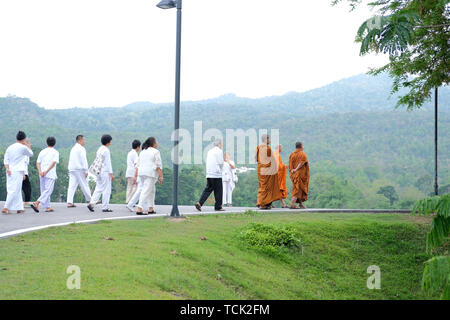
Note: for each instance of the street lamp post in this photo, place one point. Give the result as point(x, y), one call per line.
point(169, 4)
point(436, 141)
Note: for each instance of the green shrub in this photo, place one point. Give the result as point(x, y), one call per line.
point(269, 237)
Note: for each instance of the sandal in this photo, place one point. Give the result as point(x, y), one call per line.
point(34, 208)
point(5, 211)
point(72, 206)
point(49, 210)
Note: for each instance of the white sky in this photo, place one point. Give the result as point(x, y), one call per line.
point(66, 53)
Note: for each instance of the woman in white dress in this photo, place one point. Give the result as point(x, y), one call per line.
point(149, 170)
point(228, 179)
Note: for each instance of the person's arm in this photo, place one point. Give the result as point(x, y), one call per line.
point(109, 165)
point(160, 179)
point(219, 159)
point(43, 174)
point(6, 163)
point(38, 166)
point(28, 151)
point(158, 163)
point(82, 156)
point(301, 164)
point(136, 165)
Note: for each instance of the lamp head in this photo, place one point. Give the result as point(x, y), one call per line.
point(167, 4)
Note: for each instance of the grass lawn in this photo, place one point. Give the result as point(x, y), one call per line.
point(162, 259)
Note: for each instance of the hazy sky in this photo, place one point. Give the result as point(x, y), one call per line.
point(66, 53)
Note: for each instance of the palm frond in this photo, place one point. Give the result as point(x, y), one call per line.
point(440, 227)
point(436, 276)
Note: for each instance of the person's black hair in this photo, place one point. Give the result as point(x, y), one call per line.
point(106, 138)
point(51, 141)
point(79, 137)
point(21, 136)
point(150, 142)
point(136, 144)
point(298, 145)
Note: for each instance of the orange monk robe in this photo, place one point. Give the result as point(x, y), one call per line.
point(300, 178)
point(268, 189)
point(281, 175)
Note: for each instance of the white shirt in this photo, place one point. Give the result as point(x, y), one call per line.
point(132, 160)
point(27, 162)
point(214, 163)
point(15, 157)
point(149, 160)
point(106, 154)
point(77, 159)
point(46, 158)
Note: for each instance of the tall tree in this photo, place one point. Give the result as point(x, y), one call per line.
point(416, 36)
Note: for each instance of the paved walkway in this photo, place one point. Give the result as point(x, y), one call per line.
point(14, 224)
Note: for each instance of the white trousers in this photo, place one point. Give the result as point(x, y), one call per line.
point(131, 189)
point(102, 189)
point(47, 186)
point(148, 192)
point(228, 187)
point(78, 178)
point(135, 199)
point(14, 199)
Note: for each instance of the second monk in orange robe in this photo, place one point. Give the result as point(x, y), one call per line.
point(281, 175)
point(268, 189)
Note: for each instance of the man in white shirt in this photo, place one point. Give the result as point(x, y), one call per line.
point(105, 178)
point(214, 166)
point(14, 161)
point(78, 171)
point(46, 165)
point(132, 160)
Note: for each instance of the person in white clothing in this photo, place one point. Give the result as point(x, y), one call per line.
point(46, 165)
point(105, 178)
point(149, 171)
point(132, 160)
point(78, 171)
point(14, 161)
point(228, 182)
point(214, 166)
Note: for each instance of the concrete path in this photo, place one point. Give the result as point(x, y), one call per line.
point(14, 224)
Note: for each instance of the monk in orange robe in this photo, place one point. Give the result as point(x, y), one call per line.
point(268, 189)
point(299, 174)
point(281, 175)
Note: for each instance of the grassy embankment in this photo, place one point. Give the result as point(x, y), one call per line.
point(162, 259)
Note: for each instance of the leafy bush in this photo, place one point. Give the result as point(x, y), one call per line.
point(269, 236)
point(436, 276)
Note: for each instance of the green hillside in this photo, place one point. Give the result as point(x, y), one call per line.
point(355, 139)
